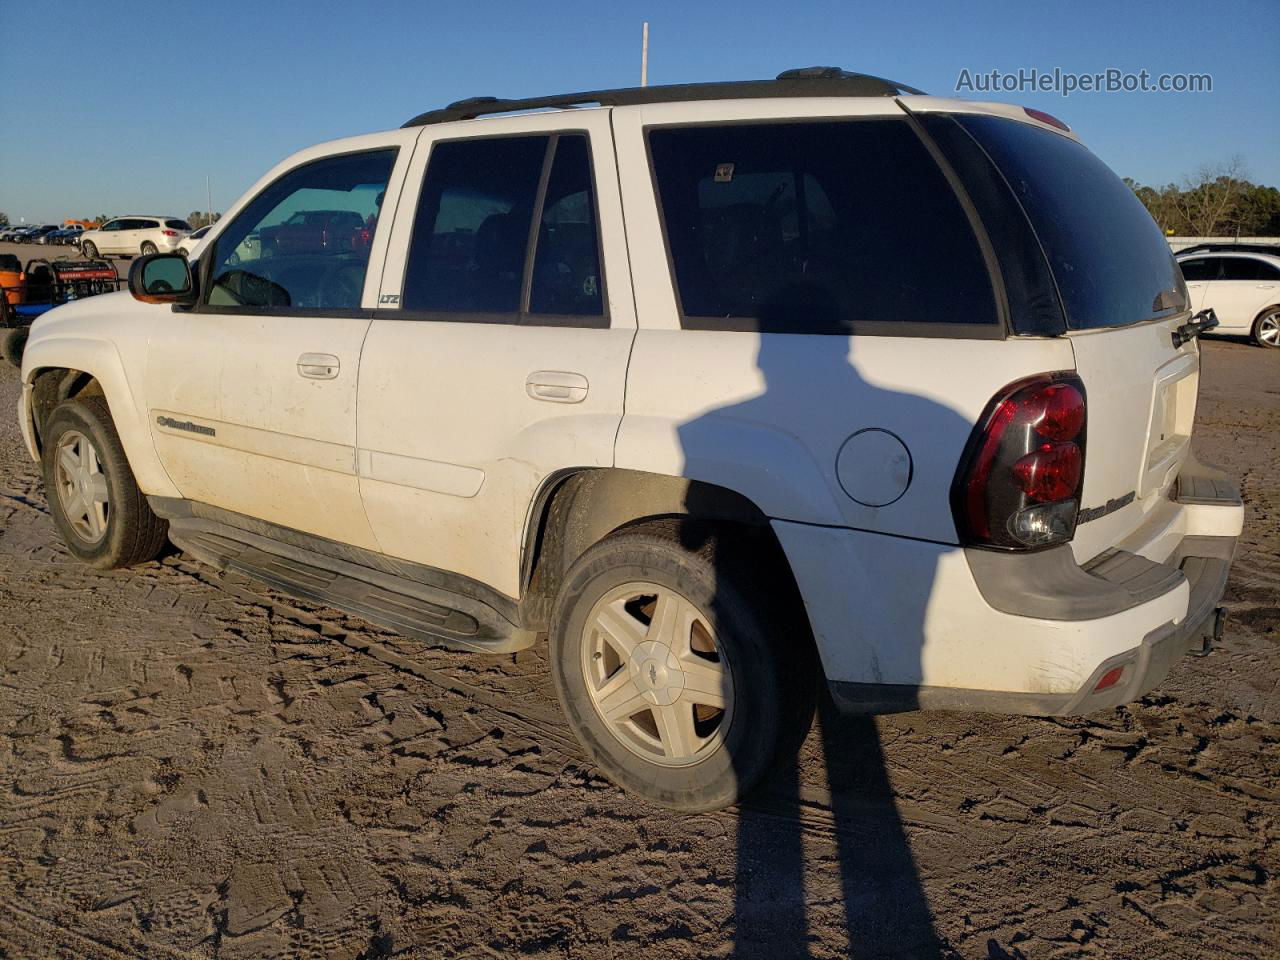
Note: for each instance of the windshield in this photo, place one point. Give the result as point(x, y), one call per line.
point(1112, 264)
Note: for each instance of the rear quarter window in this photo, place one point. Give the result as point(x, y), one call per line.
point(1110, 260)
point(833, 227)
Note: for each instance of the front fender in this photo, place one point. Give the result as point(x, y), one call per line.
point(101, 360)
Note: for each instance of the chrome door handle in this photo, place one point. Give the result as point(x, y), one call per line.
point(556, 386)
point(318, 366)
point(1266, 286)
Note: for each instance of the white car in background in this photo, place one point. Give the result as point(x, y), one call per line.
point(135, 236)
point(1241, 286)
point(191, 242)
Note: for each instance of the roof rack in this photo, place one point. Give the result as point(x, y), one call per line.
point(1232, 246)
point(804, 82)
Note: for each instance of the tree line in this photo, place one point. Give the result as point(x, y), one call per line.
point(1217, 200)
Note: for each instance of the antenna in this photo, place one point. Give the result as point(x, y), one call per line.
point(644, 55)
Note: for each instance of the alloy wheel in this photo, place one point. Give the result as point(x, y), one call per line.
point(655, 674)
point(1269, 329)
point(82, 486)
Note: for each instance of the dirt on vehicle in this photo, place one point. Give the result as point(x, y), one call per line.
point(192, 765)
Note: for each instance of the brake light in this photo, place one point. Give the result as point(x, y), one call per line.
point(1018, 484)
point(170, 233)
point(1048, 118)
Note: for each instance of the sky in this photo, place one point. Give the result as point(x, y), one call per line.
point(126, 107)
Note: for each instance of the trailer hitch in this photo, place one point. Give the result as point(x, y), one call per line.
point(1205, 320)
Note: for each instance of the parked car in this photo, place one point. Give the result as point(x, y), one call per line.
point(1242, 289)
point(66, 236)
point(135, 236)
point(44, 234)
point(192, 240)
point(23, 234)
point(316, 231)
point(869, 387)
point(6, 233)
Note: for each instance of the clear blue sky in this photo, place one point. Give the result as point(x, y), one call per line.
point(124, 107)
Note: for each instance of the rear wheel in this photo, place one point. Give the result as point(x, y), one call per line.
point(89, 250)
point(677, 672)
point(95, 502)
point(148, 248)
point(1266, 329)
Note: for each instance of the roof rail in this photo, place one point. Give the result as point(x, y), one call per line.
point(804, 82)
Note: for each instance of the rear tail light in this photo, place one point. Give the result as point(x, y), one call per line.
point(170, 233)
point(1018, 485)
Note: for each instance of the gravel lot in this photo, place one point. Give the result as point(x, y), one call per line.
point(193, 766)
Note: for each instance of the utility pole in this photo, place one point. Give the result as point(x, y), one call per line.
point(208, 197)
point(644, 55)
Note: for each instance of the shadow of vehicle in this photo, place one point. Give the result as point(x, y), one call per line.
point(886, 911)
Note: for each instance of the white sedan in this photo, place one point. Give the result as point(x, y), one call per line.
point(1242, 288)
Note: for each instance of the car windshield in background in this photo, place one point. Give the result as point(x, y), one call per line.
point(1112, 265)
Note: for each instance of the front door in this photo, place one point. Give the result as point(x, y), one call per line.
point(503, 358)
point(252, 393)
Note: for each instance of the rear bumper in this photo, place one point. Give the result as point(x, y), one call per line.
point(904, 625)
point(1205, 565)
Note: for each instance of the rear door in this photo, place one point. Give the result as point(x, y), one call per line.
point(499, 353)
point(1122, 295)
point(1243, 287)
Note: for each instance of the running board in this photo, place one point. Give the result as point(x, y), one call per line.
point(413, 609)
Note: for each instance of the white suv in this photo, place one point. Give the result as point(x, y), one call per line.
point(134, 236)
point(723, 388)
point(1242, 289)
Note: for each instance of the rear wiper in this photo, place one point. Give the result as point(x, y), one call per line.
point(1206, 319)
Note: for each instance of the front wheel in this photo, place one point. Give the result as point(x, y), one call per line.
point(95, 502)
point(680, 676)
point(1266, 329)
point(148, 248)
point(89, 250)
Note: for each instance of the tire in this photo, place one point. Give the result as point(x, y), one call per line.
point(131, 533)
point(148, 248)
point(12, 343)
point(1266, 328)
point(89, 250)
point(764, 659)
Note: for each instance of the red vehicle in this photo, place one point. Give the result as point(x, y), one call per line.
point(318, 231)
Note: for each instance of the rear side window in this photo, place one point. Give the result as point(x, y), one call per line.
point(1243, 268)
point(831, 228)
point(1112, 264)
point(471, 232)
point(474, 252)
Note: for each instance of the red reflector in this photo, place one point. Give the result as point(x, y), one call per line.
point(1048, 118)
point(170, 233)
point(1109, 679)
point(1057, 411)
point(1049, 473)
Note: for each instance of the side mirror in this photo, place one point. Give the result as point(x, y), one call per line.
point(162, 278)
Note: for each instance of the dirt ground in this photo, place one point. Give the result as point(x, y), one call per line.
point(195, 766)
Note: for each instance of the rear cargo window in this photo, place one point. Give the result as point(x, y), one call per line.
point(835, 227)
point(1110, 260)
point(177, 225)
